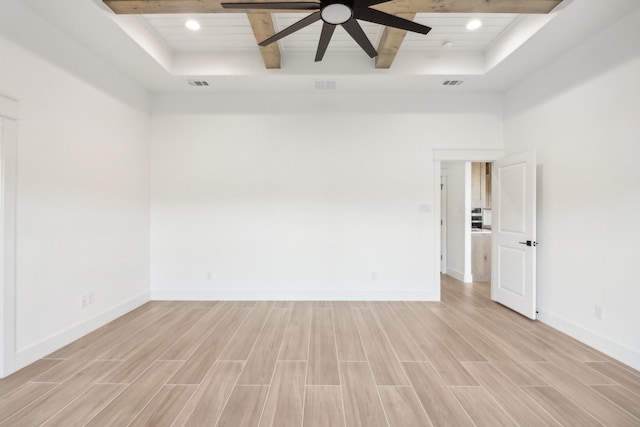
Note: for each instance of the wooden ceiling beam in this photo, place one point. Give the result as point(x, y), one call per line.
point(393, 6)
point(390, 43)
point(138, 7)
point(469, 6)
point(262, 26)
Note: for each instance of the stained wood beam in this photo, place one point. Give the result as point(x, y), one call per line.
point(390, 43)
point(262, 26)
point(469, 6)
point(394, 6)
point(138, 7)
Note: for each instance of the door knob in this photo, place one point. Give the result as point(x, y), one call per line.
point(529, 243)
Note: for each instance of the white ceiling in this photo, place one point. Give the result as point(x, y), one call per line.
point(158, 54)
point(232, 32)
point(225, 46)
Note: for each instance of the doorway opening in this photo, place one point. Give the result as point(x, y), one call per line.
point(513, 236)
point(481, 221)
point(454, 226)
point(466, 219)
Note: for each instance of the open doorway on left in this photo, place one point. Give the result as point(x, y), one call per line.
point(466, 220)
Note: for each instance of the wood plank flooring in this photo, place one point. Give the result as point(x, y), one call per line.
point(465, 361)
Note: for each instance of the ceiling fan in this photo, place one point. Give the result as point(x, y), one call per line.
point(333, 13)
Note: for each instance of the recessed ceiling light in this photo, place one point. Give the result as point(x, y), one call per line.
point(192, 24)
point(474, 24)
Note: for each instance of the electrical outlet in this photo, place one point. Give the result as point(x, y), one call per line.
point(374, 276)
point(209, 275)
point(599, 312)
point(87, 299)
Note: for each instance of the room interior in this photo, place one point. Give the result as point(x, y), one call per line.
point(143, 162)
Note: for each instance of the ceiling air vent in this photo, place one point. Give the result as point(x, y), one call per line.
point(452, 82)
point(325, 85)
point(198, 83)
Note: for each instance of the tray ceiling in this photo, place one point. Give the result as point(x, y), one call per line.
point(227, 42)
point(232, 32)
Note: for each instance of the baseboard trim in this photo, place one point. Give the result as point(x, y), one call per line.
point(455, 274)
point(458, 275)
point(620, 352)
point(40, 349)
point(288, 295)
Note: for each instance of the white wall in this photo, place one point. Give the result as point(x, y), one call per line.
point(83, 201)
point(8, 178)
point(582, 116)
point(297, 196)
point(458, 228)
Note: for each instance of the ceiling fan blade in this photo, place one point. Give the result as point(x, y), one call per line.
point(382, 18)
point(325, 38)
point(292, 28)
point(274, 5)
point(355, 30)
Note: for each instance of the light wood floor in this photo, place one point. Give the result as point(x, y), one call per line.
point(464, 361)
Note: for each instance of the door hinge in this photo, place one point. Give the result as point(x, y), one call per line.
point(441, 187)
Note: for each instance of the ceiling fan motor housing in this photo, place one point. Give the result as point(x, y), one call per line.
point(336, 12)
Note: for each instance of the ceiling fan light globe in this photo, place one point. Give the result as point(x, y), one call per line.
point(336, 13)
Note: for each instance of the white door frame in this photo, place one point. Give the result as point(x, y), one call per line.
point(8, 181)
point(452, 155)
point(443, 223)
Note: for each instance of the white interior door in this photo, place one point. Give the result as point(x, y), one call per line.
point(513, 276)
